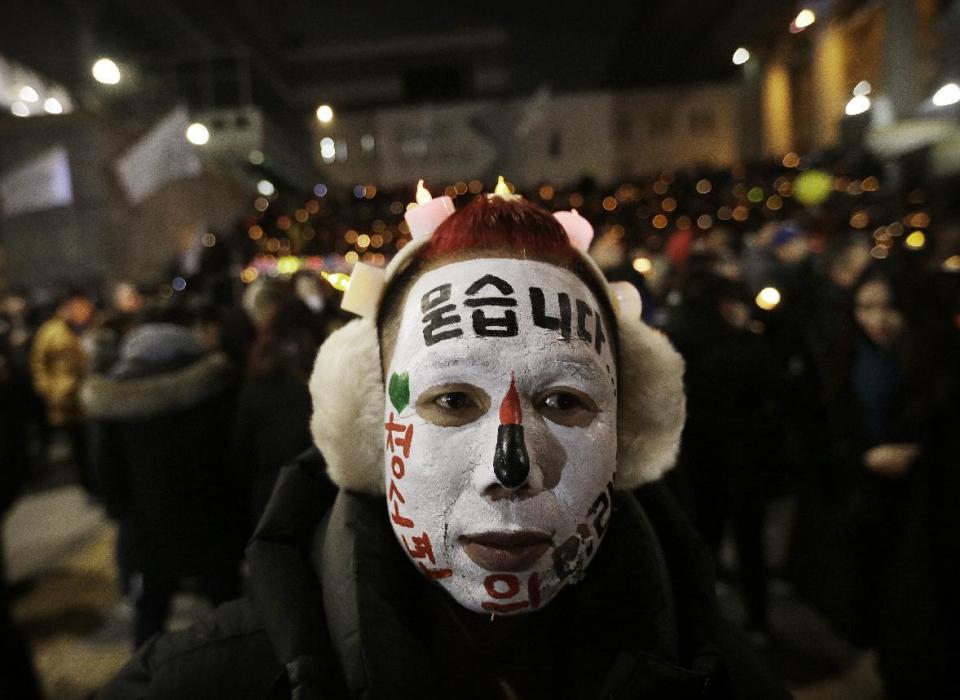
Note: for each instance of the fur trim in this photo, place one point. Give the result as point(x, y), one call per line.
point(652, 406)
point(129, 399)
point(348, 405)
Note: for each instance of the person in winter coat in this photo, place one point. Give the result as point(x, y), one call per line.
point(273, 424)
point(730, 445)
point(58, 364)
point(466, 527)
point(875, 540)
point(19, 679)
point(161, 420)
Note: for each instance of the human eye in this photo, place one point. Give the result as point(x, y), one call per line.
point(453, 401)
point(568, 407)
point(453, 405)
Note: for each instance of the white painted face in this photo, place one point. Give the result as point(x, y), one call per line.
point(507, 540)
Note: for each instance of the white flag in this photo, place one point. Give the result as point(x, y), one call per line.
point(163, 155)
point(41, 183)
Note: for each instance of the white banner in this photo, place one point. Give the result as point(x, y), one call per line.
point(41, 183)
point(162, 156)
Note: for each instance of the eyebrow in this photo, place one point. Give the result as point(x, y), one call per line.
point(566, 365)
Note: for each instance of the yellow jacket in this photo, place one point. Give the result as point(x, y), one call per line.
point(59, 364)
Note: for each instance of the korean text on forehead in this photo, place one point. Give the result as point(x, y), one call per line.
point(503, 298)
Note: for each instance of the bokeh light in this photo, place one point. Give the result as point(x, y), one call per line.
point(324, 114)
point(106, 71)
point(198, 134)
point(768, 298)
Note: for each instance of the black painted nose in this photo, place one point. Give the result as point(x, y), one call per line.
point(511, 465)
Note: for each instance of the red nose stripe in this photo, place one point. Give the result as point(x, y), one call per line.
point(510, 407)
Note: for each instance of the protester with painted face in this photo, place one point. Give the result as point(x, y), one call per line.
point(482, 426)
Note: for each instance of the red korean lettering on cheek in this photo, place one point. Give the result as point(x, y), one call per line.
point(419, 547)
point(396, 498)
point(397, 467)
point(392, 427)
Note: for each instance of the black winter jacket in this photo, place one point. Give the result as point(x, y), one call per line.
point(160, 437)
point(642, 623)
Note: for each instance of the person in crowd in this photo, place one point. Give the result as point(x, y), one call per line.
point(833, 297)
point(262, 298)
point(110, 326)
point(59, 363)
point(867, 550)
point(19, 330)
point(485, 425)
point(321, 298)
point(731, 446)
point(14, 396)
point(19, 679)
point(160, 419)
point(273, 424)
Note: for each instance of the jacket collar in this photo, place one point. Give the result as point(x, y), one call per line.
point(620, 619)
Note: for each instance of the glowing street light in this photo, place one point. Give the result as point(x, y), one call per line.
point(106, 71)
point(803, 20)
point(19, 109)
point(28, 94)
point(197, 134)
point(324, 114)
point(52, 105)
point(858, 104)
point(862, 88)
point(949, 94)
point(740, 56)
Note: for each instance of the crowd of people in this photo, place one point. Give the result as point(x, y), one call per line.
point(821, 364)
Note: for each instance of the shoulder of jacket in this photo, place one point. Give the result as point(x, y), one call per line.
point(52, 328)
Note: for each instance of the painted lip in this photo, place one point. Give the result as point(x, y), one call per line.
point(505, 551)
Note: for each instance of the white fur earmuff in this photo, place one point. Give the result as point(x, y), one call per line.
point(348, 404)
point(652, 408)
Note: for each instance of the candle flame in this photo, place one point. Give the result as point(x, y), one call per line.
point(423, 194)
point(502, 189)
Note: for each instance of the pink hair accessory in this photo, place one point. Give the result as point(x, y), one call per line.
point(429, 213)
point(579, 230)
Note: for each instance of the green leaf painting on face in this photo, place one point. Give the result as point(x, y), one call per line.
point(399, 390)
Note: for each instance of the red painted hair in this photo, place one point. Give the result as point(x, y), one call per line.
point(495, 223)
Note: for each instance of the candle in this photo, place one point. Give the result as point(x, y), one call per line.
point(578, 229)
point(502, 190)
point(364, 290)
point(429, 212)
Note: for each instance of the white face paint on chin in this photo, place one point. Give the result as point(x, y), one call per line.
point(467, 328)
